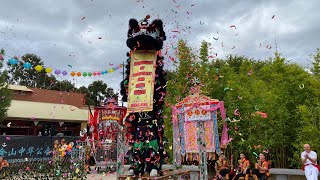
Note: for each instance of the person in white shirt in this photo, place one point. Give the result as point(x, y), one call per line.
point(309, 160)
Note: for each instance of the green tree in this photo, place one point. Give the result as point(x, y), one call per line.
point(99, 91)
point(178, 85)
point(316, 63)
point(64, 85)
point(30, 77)
point(86, 91)
point(5, 93)
point(308, 112)
point(288, 94)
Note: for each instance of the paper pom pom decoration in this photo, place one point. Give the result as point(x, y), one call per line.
point(84, 74)
point(1, 57)
point(57, 72)
point(78, 74)
point(13, 61)
point(48, 70)
point(99, 73)
point(27, 65)
point(38, 68)
point(72, 74)
point(89, 74)
point(94, 73)
point(64, 73)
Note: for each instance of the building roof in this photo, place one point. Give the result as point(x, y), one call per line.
point(19, 88)
point(46, 111)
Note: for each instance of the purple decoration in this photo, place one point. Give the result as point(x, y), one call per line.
point(57, 72)
point(64, 72)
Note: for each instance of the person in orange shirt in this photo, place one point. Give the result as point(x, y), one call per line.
point(222, 168)
point(261, 171)
point(243, 168)
point(3, 163)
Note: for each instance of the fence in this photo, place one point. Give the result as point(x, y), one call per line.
point(31, 157)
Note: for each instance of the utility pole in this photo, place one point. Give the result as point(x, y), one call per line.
point(122, 77)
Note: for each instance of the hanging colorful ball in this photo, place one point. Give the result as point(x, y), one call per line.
point(78, 74)
point(106, 72)
point(89, 74)
point(72, 74)
point(84, 74)
point(94, 73)
point(27, 65)
point(64, 72)
point(13, 61)
point(48, 70)
point(57, 72)
point(99, 73)
point(38, 68)
point(102, 72)
point(1, 57)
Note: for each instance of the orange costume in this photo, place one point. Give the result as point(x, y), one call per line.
point(261, 170)
point(4, 163)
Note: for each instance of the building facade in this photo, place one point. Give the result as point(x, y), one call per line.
point(35, 111)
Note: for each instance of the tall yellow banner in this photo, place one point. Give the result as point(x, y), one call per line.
point(141, 81)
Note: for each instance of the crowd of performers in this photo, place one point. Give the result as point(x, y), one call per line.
point(224, 170)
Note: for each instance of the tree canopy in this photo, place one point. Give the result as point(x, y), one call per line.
point(30, 77)
point(5, 95)
point(99, 91)
point(287, 94)
point(96, 92)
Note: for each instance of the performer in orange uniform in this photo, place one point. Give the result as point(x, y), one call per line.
point(243, 168)
point(222, 168)
point(3, 163)
point(261, 168)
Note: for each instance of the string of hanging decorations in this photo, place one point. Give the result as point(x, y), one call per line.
point(39, 68)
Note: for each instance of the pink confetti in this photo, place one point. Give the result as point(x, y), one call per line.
point(236, 112)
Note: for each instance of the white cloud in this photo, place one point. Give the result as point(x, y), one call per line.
point(54, 29)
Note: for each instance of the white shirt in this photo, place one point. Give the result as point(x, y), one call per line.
point(312, 155)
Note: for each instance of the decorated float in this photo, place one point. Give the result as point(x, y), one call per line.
point(106, 133)
point(195, 130)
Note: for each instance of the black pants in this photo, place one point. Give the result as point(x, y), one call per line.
point(242, 174)
point(261, 176)
point(223, 173)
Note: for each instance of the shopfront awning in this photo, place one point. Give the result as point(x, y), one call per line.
point(19, 88)
point(46, 111)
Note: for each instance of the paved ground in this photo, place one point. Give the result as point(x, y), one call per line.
point(95, 176)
